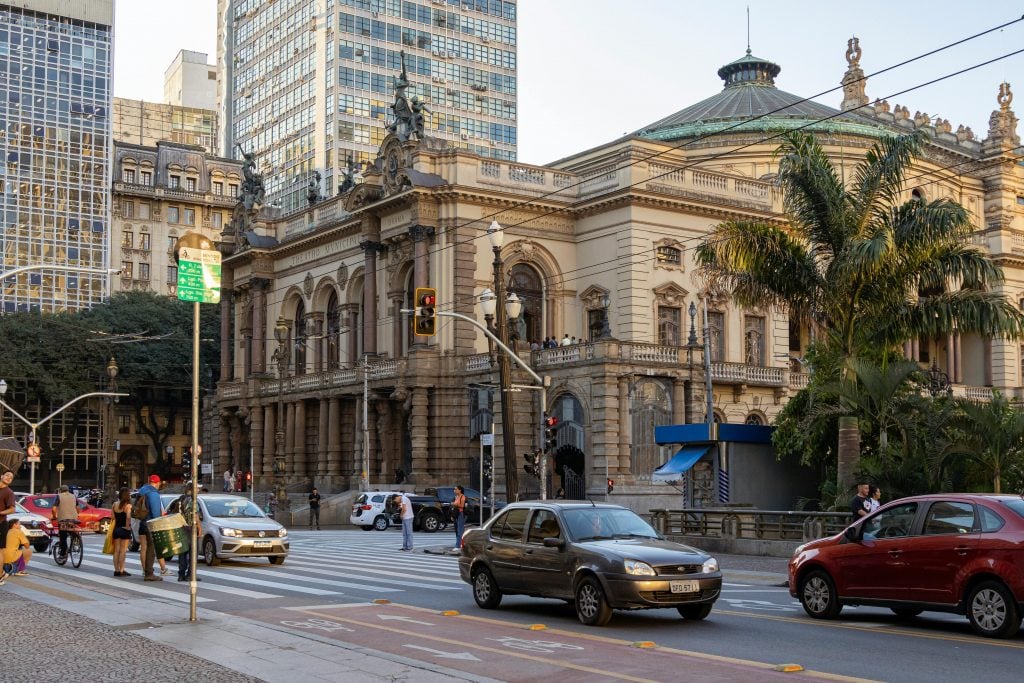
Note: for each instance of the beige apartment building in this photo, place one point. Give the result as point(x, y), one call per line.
point(312, 301)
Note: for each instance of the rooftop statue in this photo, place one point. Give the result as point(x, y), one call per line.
point(313, 189)
point(250, 198)
point(408, 112)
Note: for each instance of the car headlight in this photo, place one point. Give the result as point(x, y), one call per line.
point(638, 568)
point(710, 566)
point(282, 532)
point(230, 532)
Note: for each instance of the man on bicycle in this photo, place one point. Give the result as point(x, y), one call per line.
point(65, 513)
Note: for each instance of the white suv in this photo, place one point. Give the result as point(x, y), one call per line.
point(370, 510)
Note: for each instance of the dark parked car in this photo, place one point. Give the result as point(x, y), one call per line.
point(959, 553)
point(599, 557)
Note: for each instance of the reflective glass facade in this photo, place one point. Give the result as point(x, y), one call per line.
point(55, 97)
point(312, 89)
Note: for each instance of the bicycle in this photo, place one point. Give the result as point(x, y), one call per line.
point(74, 548)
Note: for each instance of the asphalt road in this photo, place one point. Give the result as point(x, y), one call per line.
point(329, 582)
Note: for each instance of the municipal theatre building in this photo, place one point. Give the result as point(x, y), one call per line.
point(323, 379)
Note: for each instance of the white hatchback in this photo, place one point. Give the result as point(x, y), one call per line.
point(370, 510)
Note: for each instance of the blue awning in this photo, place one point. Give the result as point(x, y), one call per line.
point(682, 461)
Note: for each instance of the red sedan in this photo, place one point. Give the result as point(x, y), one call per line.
point(94, 518)
point(959, 553)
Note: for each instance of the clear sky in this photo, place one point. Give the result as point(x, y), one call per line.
point(591, 70)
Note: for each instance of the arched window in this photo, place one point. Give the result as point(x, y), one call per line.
point(333, 332)
point(754, 419)
point(528, 286)
point(299, 326)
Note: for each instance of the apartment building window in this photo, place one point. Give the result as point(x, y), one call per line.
point(716, 335)
point(175, 182)
point(171, 241)
point(128, 209)
point(669, 325)
point(218, 187)
point(190, 184)
point(218, 219)
point(128, 175)
point(143, 211)
point(127, 269)
point(172, 215)
point(190, 216)
point(144, 241)
point(172, 275)
point(124, 424)
point(144, 272)
point(186, 426)
point(234, 189)
point(753, 340)
point(669, 256)
point(147, 178)
point(127, 239)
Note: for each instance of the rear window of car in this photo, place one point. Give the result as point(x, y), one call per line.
point(378, 499)
point(1015, 504)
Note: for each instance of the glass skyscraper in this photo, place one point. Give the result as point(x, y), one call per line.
point(55, 100)
point(308, 84)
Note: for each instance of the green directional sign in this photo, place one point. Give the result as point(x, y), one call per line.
point(199, 275)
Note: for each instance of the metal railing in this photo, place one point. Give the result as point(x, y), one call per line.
point(780, 525)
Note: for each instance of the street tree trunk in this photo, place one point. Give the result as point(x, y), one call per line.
point(849, 452)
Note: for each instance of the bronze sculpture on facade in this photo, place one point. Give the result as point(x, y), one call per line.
point(250, 198)
point(313, 189)
point(409, 118)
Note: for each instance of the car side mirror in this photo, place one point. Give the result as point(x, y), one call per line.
point(553, 542)
point(852, 534)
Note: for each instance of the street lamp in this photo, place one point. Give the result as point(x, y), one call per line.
point(606, 328)
point(109, 466)
point(496, 236)
point(937, 381)
point(281, 357)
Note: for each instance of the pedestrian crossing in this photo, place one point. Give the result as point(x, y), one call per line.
point(323, 564)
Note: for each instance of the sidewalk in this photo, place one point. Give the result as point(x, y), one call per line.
point(120, 638)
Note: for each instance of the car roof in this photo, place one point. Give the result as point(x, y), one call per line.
point(964, 496)
point(563, 504)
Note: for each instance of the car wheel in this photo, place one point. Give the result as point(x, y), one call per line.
point(367, 527)
point(992, 610)
point(818, 596)
point(485, 590)
point(591, 606)
point(430, 523)
point(104, 524)
point(694, 612)
point(906, 612)
point(210, 553)
point(279, 559)
point(380, 523)
point(41, 547)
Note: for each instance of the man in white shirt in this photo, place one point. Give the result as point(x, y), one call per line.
point(405, 507)
point(566, 341)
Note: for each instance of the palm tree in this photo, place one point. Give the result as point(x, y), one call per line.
point(993, 436)
point(863, 268)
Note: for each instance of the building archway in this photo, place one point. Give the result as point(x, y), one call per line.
point(131, 468)
point(650, 406)
point(570, 459)
point(528, 285)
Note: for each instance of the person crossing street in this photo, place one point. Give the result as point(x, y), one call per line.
point(314, 508)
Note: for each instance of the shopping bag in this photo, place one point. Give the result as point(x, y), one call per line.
point(108, 541)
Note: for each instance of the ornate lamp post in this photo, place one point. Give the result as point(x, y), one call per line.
point(606, 328)
point(281, 358)
point(938, 381)
point(496, 235)
point(110, 483)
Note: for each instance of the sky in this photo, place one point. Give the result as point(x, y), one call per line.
point(592, 70)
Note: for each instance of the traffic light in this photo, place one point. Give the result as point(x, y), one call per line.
point(424, 320)
point(550, 427)
point(186, 461)
point(532, 466)
point(611, 486)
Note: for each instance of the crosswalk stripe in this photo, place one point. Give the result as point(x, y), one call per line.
point(292, 577)
point(427, 565)
point(388, 581)
point(207, 586)
point(126, 585)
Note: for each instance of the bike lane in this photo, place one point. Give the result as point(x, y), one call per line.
point(493, 648)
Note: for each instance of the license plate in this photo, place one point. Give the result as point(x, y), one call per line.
point(684, 586)
point(261, 545)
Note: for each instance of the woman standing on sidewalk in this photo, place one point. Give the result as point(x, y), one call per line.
point(459, 514)
point(122, 529)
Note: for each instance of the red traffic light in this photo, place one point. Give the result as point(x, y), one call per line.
point(550, 421)
point(428, 300)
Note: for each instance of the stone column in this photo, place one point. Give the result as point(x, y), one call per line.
point(915, 350)
point(678, 401)
point(370, 460)
point(951, 357)
point(315, 342)
point(397, 298)
point(353, 333)
point(247, 352)
point(301, 467)
point(908, 350)
point(958, 359)
point(333, 436)
point(419, 433)
point(370, 251)
point(259, 325)
point(322, 440)
point(223, 458)
point(269, 431)
point(256, 438)
point(625, 424)
point(289, 439)
point(226, 323)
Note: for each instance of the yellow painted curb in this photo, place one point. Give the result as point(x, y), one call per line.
point(788, 668)
point(382, 601)
point(450, 613)
point(537, 627)
point(645, 644)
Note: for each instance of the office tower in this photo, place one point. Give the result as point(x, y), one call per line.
point(190, 82)
point(55, 75)
point(306, 84)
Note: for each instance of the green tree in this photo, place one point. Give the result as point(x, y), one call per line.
point(992, 437)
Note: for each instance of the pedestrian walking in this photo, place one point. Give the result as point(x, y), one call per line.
point(272, 505)
point(229, 480)
point(147, 507)
point(122, 529)
point(16, 549)
point(459, 514)
point(874, 498)
point(859, 506)
point(314, 508)
point(405, 508)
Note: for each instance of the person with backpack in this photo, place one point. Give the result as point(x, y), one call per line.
point(147, 506)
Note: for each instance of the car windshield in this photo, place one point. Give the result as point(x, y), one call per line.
point(20, 509)
point(594, 523)
point(232, 507)
point(1015, 504)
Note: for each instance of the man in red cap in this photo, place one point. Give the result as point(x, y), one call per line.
point(147, 551)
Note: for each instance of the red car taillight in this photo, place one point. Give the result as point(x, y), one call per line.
point(367, 507)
